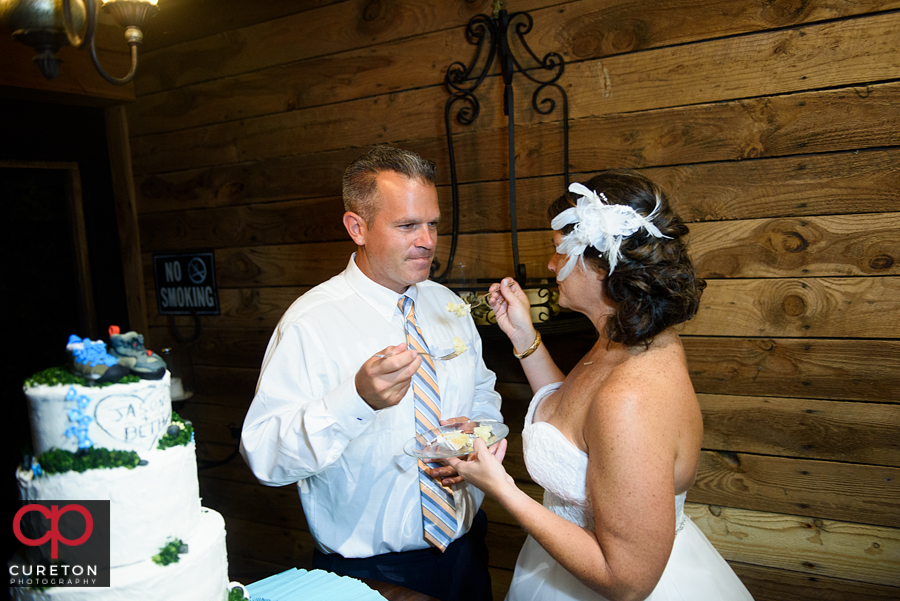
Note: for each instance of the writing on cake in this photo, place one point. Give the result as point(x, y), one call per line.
point(135, 419)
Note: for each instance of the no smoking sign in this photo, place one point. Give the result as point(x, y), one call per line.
point(186, 284)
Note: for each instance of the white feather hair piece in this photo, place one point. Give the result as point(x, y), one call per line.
point(600, 225)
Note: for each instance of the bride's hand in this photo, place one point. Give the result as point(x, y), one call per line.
point(484, 467)
point(513, 311)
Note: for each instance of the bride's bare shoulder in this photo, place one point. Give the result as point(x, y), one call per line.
point(646, 379)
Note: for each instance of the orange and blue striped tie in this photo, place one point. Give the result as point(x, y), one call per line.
point(438, 509)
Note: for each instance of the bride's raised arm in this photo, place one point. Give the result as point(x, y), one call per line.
point(513, 312)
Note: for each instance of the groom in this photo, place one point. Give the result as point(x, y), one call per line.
point(342, 388)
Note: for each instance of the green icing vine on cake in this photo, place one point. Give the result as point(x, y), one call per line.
point(58, 376)
point(180, 432)
point(58, 461)
point(169, 553)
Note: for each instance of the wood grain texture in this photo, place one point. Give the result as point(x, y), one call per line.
point(816, 547)
point(807, 428)
point(246, 183)
point(307, 265)
point(670, 77)
point(382, 119)
point(821, 489)
point(578, 30)
point(386, 68)
point(773, 62)
point(845, 245)
point(212, 458)
point(800, 307)
point(280, 265)
point(590, 29)
point(298, 36)
point(828, 121)
point(859, 370)
point(770, 584)
point(497, 513)
point(768, 126)
point(845, 119)
point(836, 183)
point(180, 21)
point(307, 220)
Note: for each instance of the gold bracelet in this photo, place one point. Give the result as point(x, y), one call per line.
point(531, 349)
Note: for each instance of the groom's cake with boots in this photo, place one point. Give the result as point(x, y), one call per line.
point(103, 429)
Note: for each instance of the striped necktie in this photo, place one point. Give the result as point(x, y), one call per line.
point(438, 509)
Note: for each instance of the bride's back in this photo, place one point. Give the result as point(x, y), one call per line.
point(620, 384)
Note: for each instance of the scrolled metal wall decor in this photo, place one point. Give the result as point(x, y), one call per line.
point(490, 36)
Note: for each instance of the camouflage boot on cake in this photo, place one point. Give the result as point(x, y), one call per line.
point(129, 349)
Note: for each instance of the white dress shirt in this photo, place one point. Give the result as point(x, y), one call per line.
point(308, 425)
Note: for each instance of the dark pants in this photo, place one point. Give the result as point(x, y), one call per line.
point(458, 574)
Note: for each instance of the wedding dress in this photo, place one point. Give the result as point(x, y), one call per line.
point(695, 571)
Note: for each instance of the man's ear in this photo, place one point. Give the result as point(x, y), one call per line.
point(356, 227)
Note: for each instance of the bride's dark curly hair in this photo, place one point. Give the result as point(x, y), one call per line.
point(653, 284)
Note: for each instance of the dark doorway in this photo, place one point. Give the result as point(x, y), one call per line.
point(49, 291)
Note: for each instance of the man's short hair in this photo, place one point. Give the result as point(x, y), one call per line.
point(359, 186)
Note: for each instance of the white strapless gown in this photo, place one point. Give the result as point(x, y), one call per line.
point(695, 571)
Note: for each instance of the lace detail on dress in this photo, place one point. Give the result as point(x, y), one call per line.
point(558, 466)
point(680, 516)
point(561, 469)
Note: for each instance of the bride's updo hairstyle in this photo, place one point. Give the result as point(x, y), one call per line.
point(653, 282)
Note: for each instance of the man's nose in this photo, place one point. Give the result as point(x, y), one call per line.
point(427, 238)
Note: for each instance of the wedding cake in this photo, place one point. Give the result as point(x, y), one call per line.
point(119, 440)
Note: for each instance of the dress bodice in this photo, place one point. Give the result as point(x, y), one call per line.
point(561, 468)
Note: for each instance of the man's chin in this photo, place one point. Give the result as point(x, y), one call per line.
point(420, 270)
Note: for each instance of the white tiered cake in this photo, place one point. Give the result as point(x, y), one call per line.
point(151, 504)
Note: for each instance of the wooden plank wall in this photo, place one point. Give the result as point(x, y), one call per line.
point(774, 124)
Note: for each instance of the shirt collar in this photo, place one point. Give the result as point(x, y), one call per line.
point(383, 300)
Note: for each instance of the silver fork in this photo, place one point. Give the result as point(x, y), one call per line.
point(443, 357)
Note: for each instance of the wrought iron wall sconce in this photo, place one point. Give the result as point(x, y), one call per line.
point(491, 37)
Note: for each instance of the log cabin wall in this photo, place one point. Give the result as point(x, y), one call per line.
point(773, 124)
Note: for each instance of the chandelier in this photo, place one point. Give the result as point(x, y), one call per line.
point(48, 25)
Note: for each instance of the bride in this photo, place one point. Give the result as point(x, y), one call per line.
point(615, 443)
